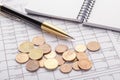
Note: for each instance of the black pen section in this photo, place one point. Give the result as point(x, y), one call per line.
point(20, 15)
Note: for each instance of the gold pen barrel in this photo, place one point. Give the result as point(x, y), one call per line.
point(55, 30)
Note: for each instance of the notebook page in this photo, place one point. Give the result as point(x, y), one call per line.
point(106, 12)
point(59, 8)
point(106, 62)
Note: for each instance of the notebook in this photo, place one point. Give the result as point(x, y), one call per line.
point(73, 10)
point(95, 13)
point(105, 14)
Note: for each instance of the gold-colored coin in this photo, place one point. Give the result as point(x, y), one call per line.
point(46, 48)
point(41, 62)
point(69, 55)
point(60, 60)
point(52, 54)
point(61, 48)
point(81, 55)
point(22, 58)
point(51, 64)
point(65, 68)
point(32, 65)
point(85, 64)
point(93, 46)
point(36, 53)
point(80, 48)
point(38, 40)
point(26, 46)
point(75, 66)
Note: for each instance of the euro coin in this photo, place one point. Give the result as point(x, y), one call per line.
point(51, 64)
point(52, 54)
point(22, 57)
point(41, 62)
point(93, 46)
point(32, 65)
point(69, 55)
point(85, 64)
point(80, 48)
point(38, 40)
point(26, 46)
point(61, 48)
point(60, 60)
point(46, 48)
point(65, 68)
point(75, 66)
point(36, 53)
point(81, 55)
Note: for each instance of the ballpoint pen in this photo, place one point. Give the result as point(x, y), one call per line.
point(43, 25)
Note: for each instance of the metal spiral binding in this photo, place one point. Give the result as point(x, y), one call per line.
point(85, 10)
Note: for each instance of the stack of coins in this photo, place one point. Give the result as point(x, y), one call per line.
point(38, 54)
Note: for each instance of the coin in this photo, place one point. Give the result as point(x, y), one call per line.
point(81, 55)
point(75, 66)
point(51, 64)
point(52, 54)
point(26, 46)
point(38, 40)
point(61, 48)
point(85, 64)
point(35, 53)
point(46, 48)
point(22, 58)
point(41, 62)
point(65, 68)
point(69, 55)
point(80, 48)
point(60, 60)
point(93, 46)
point(32, 65)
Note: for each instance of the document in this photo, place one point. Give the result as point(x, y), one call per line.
point(106, 61)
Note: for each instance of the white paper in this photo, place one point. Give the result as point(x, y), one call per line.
point(59, 8)
point(106, 12)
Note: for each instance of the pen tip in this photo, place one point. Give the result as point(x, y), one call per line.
point(71, 37)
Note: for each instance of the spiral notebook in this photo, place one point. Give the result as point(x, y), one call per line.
point(73, 10)
point(96, 13)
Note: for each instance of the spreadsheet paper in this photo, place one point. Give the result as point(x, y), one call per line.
point(106, 61)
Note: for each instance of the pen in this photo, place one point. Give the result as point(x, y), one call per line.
point(43, 25)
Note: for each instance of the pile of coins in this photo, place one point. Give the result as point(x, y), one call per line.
point(38, 54)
